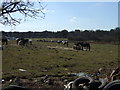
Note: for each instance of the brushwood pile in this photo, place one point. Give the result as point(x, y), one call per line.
point(84, 81)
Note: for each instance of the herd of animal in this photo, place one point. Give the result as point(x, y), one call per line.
point(64, 42)
point(19, 41)
point(25, 42)
point(76, 46)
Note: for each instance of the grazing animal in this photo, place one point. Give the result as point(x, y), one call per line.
point(83, 45)
point(65, 43)
point(76, 47)
point(4, 41)
point(30, 41)
point(23, 42)
point(18, 39)
point(59, 41)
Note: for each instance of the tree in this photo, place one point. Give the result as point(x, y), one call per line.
point(9, 10)
point(64, 33)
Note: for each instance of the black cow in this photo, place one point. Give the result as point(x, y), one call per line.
point(4, 41)
point(83, 44)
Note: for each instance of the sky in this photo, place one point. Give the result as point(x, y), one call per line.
point(71, 16)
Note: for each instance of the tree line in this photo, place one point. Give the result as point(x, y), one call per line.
point(112, 35)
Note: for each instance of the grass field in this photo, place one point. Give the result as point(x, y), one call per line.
point(45, 58)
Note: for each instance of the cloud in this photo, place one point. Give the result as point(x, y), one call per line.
point(48, 11)
point(73, 19)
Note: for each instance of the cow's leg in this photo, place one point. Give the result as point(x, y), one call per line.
point(82, 48)
point(6, 42)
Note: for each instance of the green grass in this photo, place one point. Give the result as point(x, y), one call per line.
point(38, 59)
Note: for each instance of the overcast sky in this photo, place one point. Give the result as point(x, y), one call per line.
point(71, 16)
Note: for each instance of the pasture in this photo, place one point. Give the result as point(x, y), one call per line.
point(47, 58)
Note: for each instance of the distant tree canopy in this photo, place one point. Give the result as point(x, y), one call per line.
point(9, 10)
point(112, 35)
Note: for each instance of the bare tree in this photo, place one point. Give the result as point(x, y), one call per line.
point(13, 11)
